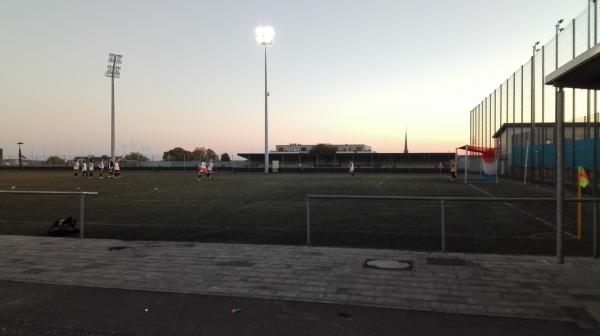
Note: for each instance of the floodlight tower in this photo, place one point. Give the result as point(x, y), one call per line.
point(20, 155)
point(264, 36)
point(113, 71)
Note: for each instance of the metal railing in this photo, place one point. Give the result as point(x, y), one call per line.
point(81, 194)
point(444, 200)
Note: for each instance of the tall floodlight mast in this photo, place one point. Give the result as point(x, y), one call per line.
point(113, 71)
point(264, 36)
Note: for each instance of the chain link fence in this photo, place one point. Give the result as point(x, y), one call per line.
point(518, 117)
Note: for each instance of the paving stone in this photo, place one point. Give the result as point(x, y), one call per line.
point(515, 286)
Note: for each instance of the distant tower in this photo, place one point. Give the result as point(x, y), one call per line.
point(406, 142)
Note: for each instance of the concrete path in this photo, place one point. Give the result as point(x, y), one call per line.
point(509, 286)
point(59, 310)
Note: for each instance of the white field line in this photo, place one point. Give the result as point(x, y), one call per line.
point(525, 212)
point(382, 181)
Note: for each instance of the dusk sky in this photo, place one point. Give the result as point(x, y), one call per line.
point(340, 71)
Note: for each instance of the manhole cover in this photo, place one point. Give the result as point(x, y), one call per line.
point(447, 262)
point(387, 264)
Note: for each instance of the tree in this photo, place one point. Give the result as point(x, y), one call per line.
point(199, 154)
point(211, 155)
point(177, 154)
point(55, 160)
point(323, 150)
point(203, 154)
point(225, 157)
point(136, 156)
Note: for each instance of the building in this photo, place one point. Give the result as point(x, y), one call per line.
point(299, 148)
point(1, 155)
point(290, 156)
point(519, 149)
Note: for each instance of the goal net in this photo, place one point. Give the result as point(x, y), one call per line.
point(477, 163)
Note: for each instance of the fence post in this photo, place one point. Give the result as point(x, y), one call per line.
point(307, 220)
point(595, 225)
point(443, 227)
point(81, 214)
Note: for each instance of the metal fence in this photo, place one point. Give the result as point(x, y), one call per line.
point(524, 100)
point(445, 200)
point(81, 194)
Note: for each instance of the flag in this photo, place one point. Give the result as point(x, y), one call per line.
point(583, 177)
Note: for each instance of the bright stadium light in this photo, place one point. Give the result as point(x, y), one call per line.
point(113, 71)
point(264, 36)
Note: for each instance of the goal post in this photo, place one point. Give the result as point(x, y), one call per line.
point(477, 163)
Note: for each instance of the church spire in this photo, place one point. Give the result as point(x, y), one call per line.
point(406, 142)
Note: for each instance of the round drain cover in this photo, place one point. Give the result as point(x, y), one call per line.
point(388, 264)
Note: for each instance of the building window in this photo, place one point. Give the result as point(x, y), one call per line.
point(303, 149)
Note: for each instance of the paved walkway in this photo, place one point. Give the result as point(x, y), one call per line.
point(511, 286)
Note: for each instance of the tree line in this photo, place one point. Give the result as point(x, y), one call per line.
point(198, 154)
point(175, 154)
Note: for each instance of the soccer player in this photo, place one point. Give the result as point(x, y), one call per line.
point(301, 168)
point(76, 168)
point(210, 169)
point(101, 167)
point(453, 169)
point(351, 168)
point(111, 168)
point(84, 172)
point(199, 172)
point(203, 169)
point(91, 169)
point(117, 168)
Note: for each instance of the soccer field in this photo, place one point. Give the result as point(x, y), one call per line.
point(254, 208)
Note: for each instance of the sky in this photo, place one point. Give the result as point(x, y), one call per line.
point(340, 71)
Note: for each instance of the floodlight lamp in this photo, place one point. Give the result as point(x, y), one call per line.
point(264, 35)
point(114, 58)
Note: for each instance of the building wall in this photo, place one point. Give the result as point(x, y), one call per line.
point(299, 148)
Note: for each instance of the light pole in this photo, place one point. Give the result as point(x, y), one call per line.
point(559, 141)
point(532, 131)
point(20, 155)
point(113, 71)
point(264, 36)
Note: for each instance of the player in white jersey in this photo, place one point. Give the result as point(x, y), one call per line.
point(101, 167)
point(203, 170)
point(199, 171)
point(117, 169)
point(210, 169)
point(351, 168)
point(91, 169)
point(84, 172)
point(111, 168)
point(75, 168)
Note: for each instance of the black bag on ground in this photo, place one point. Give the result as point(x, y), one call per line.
point(63, 227)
